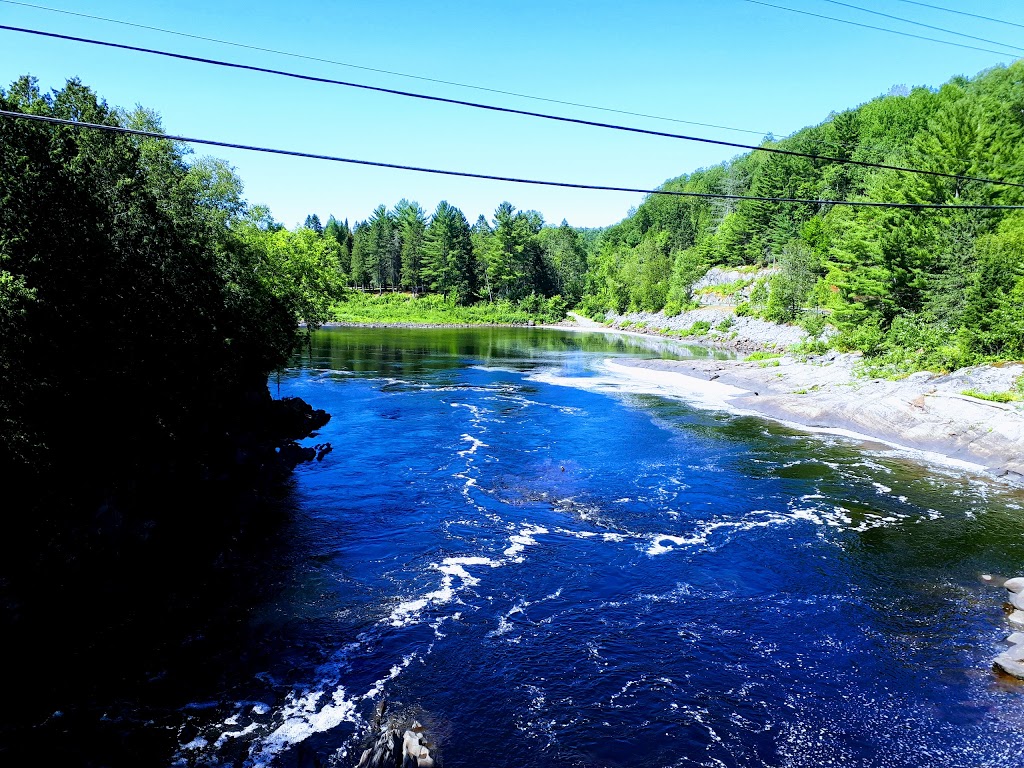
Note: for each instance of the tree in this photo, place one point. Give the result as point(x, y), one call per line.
point(448, 251)
point(313, 224)
point(513, 255)
point(382, 249)
point(411, 225)
point(342, 235)
point(563, 248)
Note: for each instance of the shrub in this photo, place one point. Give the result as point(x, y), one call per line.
point(813, 323)
point(699, 328)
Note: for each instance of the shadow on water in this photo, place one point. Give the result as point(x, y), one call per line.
point(109, 638)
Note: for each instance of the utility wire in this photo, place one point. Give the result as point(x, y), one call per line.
point(488, 177)
point(879, 29)
point(385, 71)
point(921, 24)
point(509, 110)
point(407, 75)
point(963, 13)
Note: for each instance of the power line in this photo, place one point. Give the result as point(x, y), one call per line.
point(963, 13)
point(921, 24)
point(483, 176)
point(878, 29)
point(509, 110)
point(385, 71)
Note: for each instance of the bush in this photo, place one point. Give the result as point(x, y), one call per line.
point(813, 323)
point(865, 338)
point(724, 325)
point(699, 328)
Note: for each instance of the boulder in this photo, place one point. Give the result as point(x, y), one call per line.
point(1017, 600)
point(1015, 652)
point(1015, 585)
point(1015, 639)
point(1016, 619)
point(1013, 668)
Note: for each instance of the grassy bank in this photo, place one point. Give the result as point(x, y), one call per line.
point(361, 307)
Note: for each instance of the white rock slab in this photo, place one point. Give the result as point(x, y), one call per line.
point(1015, 585)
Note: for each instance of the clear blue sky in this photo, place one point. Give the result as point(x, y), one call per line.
point(728, 62)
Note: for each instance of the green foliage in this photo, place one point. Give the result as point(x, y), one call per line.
point(957, 276)
point(995, 397)
point(142, 303)
point(448, 253)
point(434, 309)
point(724, 325)
point(814, 323)
point(762, 356)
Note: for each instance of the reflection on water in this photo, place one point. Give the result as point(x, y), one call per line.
point(560, 577)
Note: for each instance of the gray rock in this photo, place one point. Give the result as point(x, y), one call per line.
point(1014, 652)
point(1015, 585)
point(1013, 668)
point(1017, 600)
point(1016, 619)
point(1015, 639)
point(414, 753)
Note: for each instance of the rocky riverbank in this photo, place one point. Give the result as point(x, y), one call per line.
point(925, 412)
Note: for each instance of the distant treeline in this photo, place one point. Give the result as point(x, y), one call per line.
point(514, 257)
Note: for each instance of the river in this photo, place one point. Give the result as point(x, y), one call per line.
point(549, 568)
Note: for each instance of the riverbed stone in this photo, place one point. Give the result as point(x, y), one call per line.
point(1016, 619)
point(1015, 585)
point(1014, 652)
point(1005, 664)
point(1015, 639)
point(1016, 599)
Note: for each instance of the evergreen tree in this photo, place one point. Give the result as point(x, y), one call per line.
point(448, 251)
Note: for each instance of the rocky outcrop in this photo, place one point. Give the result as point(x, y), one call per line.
point(1011, 661)
point(396, 742)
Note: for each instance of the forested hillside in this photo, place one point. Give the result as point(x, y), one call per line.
point(934, 288)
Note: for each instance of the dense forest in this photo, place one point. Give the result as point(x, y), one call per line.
point(513, 260)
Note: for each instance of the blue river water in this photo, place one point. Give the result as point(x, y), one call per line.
point(552, 570)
